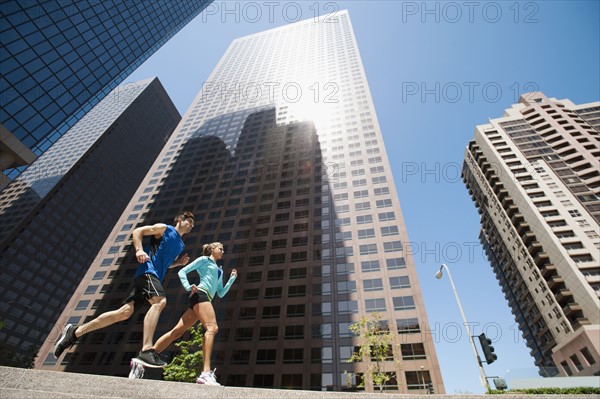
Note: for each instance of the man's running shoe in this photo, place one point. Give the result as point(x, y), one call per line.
point(66, 340)
point(208, 378)
point(137, 369)
point(151, 359)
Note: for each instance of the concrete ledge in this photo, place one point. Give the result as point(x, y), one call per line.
point(16, 383)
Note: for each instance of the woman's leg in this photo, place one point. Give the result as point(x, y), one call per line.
point(185, 322)
point(206, 314)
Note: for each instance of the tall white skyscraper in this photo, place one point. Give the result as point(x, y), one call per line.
point(281, 158)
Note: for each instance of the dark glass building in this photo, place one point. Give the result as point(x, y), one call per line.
point(57, 214)
point(59, 58)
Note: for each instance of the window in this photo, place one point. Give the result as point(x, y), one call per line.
point(362, 206)
point(575, 213)
point(347, 307)
point(361, 194)
point(298, 273)
point(417, 379)
point(342, 222)
point(368, 249)
point(393, 246)
point(299, 256)
point(364, 219)
point(384, 203)
point(271, 312)
point(98, 276)
point(369, 266)
point(566, 367)
point(266, 356)
point(244, 334)
point(277, 258)
point(396, 263)
point(240, 357)
point(295, 310)
point(408, 326)
point(576, 362)
point(247, 313)
point(256, 260)
point(268, 333)
point(389, 231)
point(375, 305)
point(294, 332)
point(375, 284)
point(564, 234)
point(587, 355)
point(385, 216)
point(281, 243)
point(366, 233)
point(293, 356)
point(413, 351)
point(91, 289)
point(345, 287)
point(586, 258)
point(296, 291)
point(343, 236)
point(280, 229)
point(250, 294)
point(273, 292)
point(275, 275)
point(399, 282)
point(404, 303)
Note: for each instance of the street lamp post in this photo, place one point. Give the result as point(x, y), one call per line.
point(482, 375)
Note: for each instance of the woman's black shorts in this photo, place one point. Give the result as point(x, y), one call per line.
point(198, 297)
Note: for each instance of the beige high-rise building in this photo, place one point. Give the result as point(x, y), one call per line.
point(281, 158)
point(534, 176)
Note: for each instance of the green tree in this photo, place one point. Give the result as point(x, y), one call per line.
point(187, 365)
point(374, 349)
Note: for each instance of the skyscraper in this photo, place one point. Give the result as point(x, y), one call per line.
point(59, 58)
point(281, 158)
point(533, 175)
point(58, 213)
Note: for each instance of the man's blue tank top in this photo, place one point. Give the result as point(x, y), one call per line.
point(162, 252)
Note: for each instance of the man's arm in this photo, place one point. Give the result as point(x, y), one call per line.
point(180, 261)
point(156, 230)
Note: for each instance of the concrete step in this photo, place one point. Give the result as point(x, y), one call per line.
point(16, 383)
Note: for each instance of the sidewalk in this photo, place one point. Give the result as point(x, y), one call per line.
point(18, 383)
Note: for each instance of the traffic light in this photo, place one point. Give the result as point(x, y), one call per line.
point(430, 388)
point(488, 349)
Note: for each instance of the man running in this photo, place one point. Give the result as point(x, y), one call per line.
point(155, 259)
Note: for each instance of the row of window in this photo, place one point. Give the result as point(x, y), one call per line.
point(369, 285)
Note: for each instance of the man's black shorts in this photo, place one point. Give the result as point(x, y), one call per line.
point(146, 287)
point(198, 297)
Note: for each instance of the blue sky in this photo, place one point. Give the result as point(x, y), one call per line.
point(435, 71)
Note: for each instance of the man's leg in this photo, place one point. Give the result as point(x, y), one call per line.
point(71, 333)
point(185, 322)
point(157, 304)
point(106, 319)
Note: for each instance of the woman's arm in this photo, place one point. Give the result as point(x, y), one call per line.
point(221, 291)
point(189, 268)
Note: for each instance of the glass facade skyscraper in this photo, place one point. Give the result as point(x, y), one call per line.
point(281, 159)
point(59, 58)
point(57, 214)
point(534, 177)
